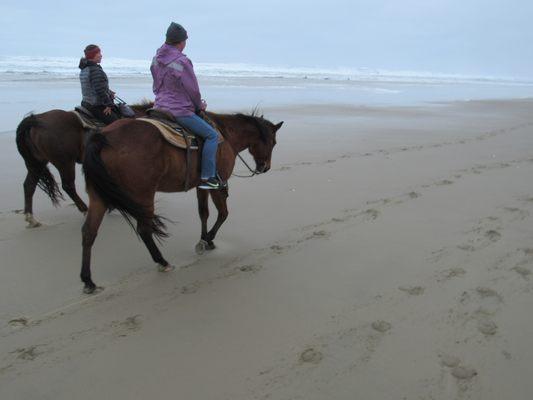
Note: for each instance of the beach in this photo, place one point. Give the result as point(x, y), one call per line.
point(387, 255)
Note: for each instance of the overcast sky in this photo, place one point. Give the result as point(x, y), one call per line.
point(480, 37)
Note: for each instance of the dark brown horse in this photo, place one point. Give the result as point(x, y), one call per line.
point(55, 137)
point(128, 162)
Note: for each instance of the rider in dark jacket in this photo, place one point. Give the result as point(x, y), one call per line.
point(97, 97)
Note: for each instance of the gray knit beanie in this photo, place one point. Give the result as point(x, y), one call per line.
point(176, 33)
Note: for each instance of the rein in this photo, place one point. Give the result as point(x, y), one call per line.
point(204, 115)
point(253, 171)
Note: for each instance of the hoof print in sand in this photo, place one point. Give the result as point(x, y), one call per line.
point(485, 292)
point(444, 182)
point(311, 356)
point(449, 361)
point(522, 271)
point(413, 290)
point(452, 273)
point(18, 322)
point(464, 373)
point(189, 289)
point(487, 327)
point(278, 249)
point(320, 234)
point(250, 268)
point(381, 326)
point(371, 213)
point(27, 353)
point(130, 324)
point(493, 235)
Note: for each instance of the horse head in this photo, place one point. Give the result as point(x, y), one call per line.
point(261, 149)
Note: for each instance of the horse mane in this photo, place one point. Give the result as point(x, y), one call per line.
point(142, 106)
point(260, 123)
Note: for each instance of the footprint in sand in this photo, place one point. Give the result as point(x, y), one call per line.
point(337, 219)
point(522, 271)
point(413, 290)
point(463, 373)
point(381, 326)
point(449, 361)
point(444, 182)
point(413, 195)
point(130, 324)
point(371, 213)
point(487, 327)
point(189, 289)
point(451, 273)
point(311, 356)
point(319, 234)
point(518, 212)
point(18, 322)
point(493, 235)
point(486, 292)
point(277, 249)
point(250, 268)
point(27, 353)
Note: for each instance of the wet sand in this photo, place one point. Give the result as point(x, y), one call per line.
point(387, 255)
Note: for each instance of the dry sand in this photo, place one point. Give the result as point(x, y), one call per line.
point(387, 255)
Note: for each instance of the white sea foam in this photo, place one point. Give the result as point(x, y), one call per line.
point(26, 67)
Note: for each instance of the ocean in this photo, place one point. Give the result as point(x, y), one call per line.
point(37, 84)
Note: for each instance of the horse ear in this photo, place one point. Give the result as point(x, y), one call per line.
point(277, 126)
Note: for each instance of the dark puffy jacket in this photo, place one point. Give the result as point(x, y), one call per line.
point(94, 84)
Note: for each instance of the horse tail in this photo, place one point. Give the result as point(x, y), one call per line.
point(45, 179)
point(114, 197)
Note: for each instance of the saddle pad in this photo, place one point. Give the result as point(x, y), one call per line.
point(173, 136)
point(88, 123)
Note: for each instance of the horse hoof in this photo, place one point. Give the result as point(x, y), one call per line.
point(201, 247)
point(166, 268)
point(92, 289)
point(89, 289)
point(210, 246)
point(32, 222)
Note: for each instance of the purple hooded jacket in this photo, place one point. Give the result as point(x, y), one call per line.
point(175, 85)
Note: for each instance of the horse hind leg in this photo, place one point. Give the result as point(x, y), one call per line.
point(30, 184)
point(146, 232)
point(67, 172)
point(95, 214)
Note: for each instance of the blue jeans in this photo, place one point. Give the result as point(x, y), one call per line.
point(209, 153)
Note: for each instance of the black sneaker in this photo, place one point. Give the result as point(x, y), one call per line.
point(210, 184)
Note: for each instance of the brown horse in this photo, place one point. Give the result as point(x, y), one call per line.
point(129, 161)
point(57, 137)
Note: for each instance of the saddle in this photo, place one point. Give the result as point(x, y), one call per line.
point(177, 135)
point(87, 119)
point(172, 132)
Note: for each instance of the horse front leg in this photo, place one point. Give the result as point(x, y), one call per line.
point(67, 171)
point(203, 211)
point(89, 231)
point(220, 199)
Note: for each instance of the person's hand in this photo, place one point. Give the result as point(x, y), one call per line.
point(204, 105)
point(107, 111)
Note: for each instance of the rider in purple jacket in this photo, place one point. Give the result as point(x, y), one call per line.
point(176, 91)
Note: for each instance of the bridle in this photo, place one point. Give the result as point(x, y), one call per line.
point(253, 171)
